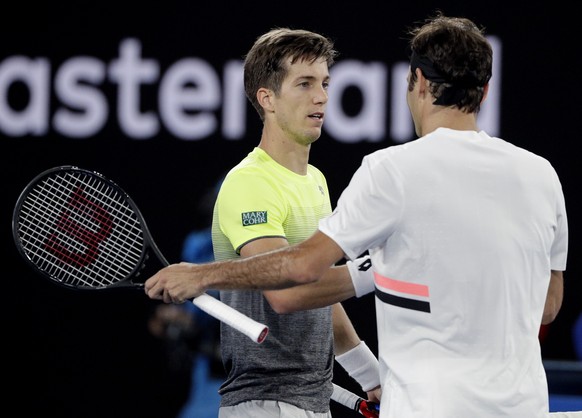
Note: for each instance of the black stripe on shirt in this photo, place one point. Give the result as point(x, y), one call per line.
point(415, 305)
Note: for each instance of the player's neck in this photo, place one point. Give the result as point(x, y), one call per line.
point(288, 153)
point(451, 119)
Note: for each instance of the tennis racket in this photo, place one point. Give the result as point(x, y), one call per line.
point(354, 402)
point(82, 231)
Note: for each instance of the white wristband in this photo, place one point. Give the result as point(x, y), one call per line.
point(362, 275)
point(361, 365)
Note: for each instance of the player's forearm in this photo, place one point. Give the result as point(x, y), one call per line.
point(334, 286)
point(554, 297)
point(272, 270)
point(281, 268)
point(345, 336)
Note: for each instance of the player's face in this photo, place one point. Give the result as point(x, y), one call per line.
point(300, 105)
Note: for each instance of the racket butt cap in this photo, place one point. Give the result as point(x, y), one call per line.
point(263, 335)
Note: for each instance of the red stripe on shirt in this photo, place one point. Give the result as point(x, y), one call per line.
point(400, 286)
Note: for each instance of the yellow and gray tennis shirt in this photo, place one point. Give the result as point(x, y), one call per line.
point(260, 198)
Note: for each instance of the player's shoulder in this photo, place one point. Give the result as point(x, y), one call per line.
point(524, 154)
point(389, 152)
point(249, 178)
point(314, 171)
point(252, 165)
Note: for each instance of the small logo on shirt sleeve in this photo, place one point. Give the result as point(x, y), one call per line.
point(254, 218)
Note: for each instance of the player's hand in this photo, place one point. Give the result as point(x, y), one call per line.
point(369, 409)
point(175, 283)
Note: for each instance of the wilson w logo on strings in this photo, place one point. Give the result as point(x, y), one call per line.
point(96, 227)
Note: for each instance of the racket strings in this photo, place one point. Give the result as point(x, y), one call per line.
point(80, 230)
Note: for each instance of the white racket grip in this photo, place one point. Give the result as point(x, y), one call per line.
point(230, 316)
point(345, 397)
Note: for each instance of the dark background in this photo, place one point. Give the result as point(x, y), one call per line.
point(89, 354)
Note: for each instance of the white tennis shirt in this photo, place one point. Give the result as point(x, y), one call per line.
point(463, 230)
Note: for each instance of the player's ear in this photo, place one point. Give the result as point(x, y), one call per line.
point(422, 81)
point(485, 91)
point(264, 97)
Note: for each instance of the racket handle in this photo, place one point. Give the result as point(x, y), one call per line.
point(355, 402)
point(230, 316)
point(344, 397)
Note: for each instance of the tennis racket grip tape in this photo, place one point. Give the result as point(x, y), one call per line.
point(230, 316)
point(354, 402)
point(345, 397)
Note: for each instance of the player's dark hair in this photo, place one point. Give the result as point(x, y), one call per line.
point(456, 57)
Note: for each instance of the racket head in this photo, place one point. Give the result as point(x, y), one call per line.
point(80, 229)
